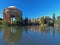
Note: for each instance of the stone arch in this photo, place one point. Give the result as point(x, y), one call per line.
point(11, 12)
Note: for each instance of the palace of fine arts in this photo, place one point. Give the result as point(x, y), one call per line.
point(13, 16)
point(29, 22)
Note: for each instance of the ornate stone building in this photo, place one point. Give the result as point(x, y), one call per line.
point(10, 13)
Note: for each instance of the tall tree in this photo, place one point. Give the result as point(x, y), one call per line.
point(58, 20)
point(18, 20)
point(53, 17)
point(26, 21)
point(42, 20)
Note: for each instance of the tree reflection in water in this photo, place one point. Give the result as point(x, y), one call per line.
point(41, 29)
point(37, 28)
point(59, 29)
point(12, 35)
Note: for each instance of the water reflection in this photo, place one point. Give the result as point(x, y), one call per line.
point(40, 34)
point(30, 35)
point(12, 35)
point(39, 28)
point(58, 29)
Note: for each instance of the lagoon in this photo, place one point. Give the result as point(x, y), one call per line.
point(29, 35)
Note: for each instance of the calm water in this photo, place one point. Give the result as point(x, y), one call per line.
point(31, 35)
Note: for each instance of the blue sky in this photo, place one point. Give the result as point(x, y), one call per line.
point(33, 8)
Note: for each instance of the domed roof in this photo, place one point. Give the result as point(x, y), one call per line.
point(11, 7)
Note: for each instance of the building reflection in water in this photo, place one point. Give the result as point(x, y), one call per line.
point(58, 29)
point(41, 29)
point(36, 28)
point(12, 35)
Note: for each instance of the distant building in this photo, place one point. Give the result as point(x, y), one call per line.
point(37, 20)
point(48, 19)
point(10, 13)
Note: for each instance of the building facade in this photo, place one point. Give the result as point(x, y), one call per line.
point(10, 13)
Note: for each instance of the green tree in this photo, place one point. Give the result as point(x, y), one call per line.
point(42, 20)
point(53, 17)
point(58, 20)
point(2, 22)
point(18, 20)
point(26, 21)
